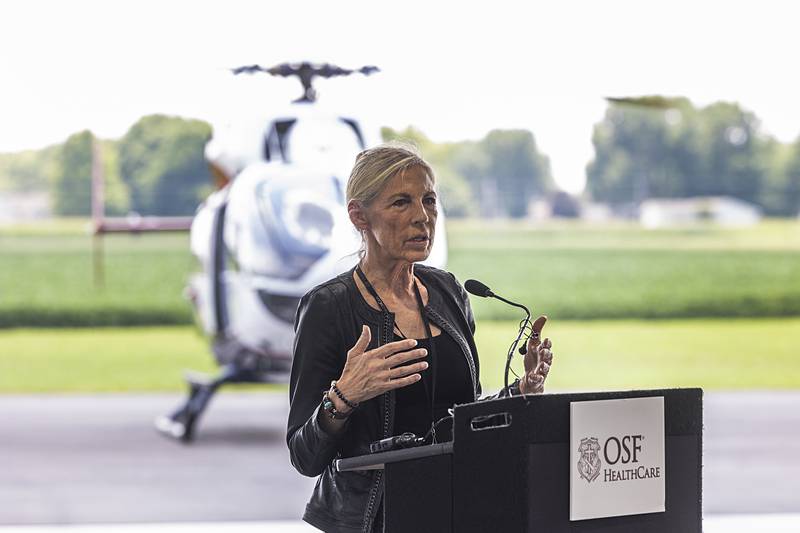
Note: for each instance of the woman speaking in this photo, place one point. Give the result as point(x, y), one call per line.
point(386, 347)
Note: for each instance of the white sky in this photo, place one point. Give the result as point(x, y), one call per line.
point(454, 69)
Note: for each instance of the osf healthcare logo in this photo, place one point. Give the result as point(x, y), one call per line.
point(589, 462)
point(622, 451)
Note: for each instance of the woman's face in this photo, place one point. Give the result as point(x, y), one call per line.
point(402, 219)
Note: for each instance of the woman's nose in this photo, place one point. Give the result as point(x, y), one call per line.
point(421, 214)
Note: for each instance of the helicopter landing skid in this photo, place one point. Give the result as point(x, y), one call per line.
point(180, 425)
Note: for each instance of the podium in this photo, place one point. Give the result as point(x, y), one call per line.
point(508, 469)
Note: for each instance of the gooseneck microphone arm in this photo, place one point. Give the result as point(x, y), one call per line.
point(509, 302)
point(479, 289)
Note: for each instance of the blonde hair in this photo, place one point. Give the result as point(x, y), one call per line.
point(373, 169)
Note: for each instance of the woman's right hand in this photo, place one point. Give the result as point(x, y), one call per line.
point(368, 374)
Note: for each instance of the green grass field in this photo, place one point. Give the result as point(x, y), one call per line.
point(579, 271)
point(566, 271)
point(597, 355)
point(48, 280)
point(624, 354)
point(728, 303)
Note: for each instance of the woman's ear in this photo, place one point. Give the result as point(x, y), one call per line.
point(357, 215)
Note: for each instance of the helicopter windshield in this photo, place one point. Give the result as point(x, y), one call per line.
point(326, 142)
point(297, 217)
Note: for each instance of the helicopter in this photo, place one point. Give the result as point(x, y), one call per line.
point(275, 226)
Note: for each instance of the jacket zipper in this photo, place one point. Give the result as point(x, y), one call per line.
point(369, 518)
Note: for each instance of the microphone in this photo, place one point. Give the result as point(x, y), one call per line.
point(477, 288)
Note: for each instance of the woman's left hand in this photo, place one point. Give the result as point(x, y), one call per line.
point(538, 359)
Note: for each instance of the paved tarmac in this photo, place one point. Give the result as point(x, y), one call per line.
point(97, 459)
point(769, 523)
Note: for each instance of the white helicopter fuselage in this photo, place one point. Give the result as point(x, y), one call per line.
point(276, 230)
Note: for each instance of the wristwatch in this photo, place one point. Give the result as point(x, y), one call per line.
point(330, 408)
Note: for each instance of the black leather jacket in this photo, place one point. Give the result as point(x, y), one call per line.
point(327, 325)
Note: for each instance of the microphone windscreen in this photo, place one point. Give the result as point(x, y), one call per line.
point(477, 288)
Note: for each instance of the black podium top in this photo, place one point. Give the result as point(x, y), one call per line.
point(376, 461)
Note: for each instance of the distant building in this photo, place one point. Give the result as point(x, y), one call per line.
point(595, 212)
point(722, 210)
point(23, 206)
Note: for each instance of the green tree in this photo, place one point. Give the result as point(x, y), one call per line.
point(29, 170)
point(64, 170)
point(517, 169)
point(633, 159)
point(505, 170)
point(117, 195)
point(678, 151)
point(161, 160)
point(72, 192)
point(788, 190)
point(735, 158)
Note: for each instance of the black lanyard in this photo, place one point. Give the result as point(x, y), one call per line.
point(432, 343)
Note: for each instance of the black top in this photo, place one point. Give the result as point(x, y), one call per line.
point(453, 385)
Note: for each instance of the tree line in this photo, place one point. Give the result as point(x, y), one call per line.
point(669, 150)
point(496, 176)
point(676, 150)
point(156, 168)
